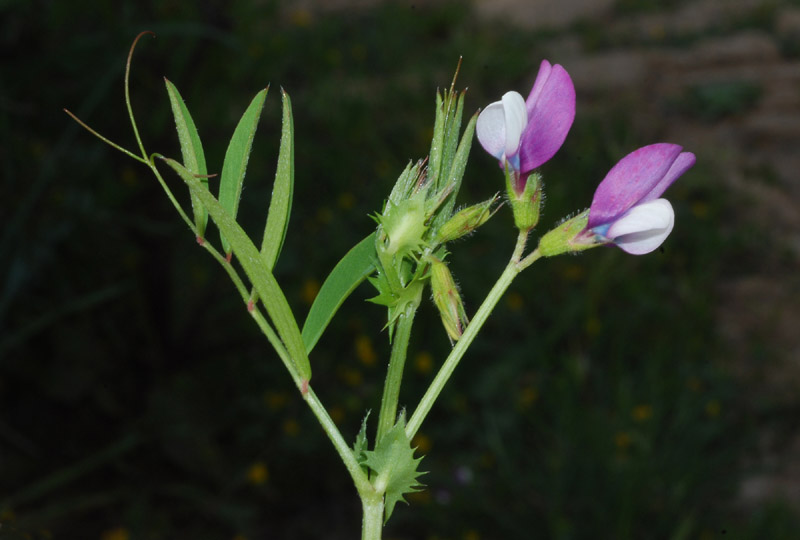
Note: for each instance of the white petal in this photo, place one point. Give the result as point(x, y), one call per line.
point(644, 227)
point(516, 118)
point(491, 129)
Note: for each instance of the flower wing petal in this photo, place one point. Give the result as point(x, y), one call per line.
point(491, 129)
point(551, 110)
point(516, 118)
point(644, 227)
point(636, 176)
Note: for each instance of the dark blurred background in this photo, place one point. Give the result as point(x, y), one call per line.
point(610, 396)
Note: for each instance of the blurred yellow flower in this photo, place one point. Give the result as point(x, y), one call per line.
point(700, 210)
point(642, 412)
point(422, 443)
point(337, 414)
point(573, 272)
point(350, 376)
point(310, 290)
point(301, 17)
point(528, 397)
point(514, 301)
point(324, 215)
point(423, 362)
point(291, 427)
point(472, 535)
point(713, 408)
point(258, 474)
point(346, 200)
point(365, 352)
point(593, 326)
point(119, 533)
point(622, 440)
point(275, 400)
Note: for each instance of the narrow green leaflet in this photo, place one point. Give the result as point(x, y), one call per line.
point(437, 143)
point(281, 204)
point(252, 263)
point(191, 149)
point(456, 172)
point(236, 157)
point(395, 467)
point(454, 115)
point(348, 273)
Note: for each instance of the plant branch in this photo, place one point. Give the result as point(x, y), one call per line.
point(446, 371)
point(394, 373)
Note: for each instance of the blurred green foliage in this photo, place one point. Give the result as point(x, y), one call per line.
point(138, 399)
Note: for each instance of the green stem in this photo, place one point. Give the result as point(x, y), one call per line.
point(394, 373)
point(346, 454)
point(151, 163)
point(358, 475)
point(446, 371)
point(372, 524)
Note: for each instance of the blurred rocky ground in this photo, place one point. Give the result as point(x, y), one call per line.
point(722, 77)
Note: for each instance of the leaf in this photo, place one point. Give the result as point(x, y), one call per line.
point(191, 149)
point(281, 204)
point(456, 172)
point(262, 279)
point(452, 129)
point(236, 157)
point(348, 273)
point(437, 143)
point(395, 467)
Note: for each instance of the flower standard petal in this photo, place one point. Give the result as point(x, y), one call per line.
point(551, 111)
point(643, 228)
point(682, 163)
point(629, 181)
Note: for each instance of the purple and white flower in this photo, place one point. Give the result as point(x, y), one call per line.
point(526, 133)
point(626, 209)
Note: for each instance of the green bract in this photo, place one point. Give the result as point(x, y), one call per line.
point(417, 219)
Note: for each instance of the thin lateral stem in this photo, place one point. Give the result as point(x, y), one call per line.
point(105, 140)
point(451, 362)
point(358, 475)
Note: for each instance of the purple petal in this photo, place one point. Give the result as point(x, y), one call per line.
point(682, 164)
point(544, 73)
point(635, 176)
point(551, 110)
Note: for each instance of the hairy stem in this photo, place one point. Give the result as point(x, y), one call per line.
point(446, 371)
point(394, 373)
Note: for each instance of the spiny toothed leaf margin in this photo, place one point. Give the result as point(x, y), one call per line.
point(394, 466)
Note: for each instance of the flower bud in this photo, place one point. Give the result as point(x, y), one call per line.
point(466, 221)
point(571, 235)
point(447, 300)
